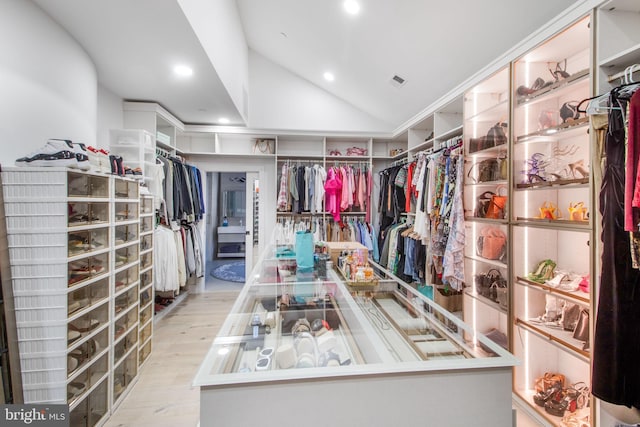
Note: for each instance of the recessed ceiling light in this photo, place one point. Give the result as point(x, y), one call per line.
point(328, 76)
point(223, 120)
point(183, 70)
point(352, 7)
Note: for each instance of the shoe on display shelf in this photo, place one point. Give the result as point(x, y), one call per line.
point(55, 153)
point(82, 155)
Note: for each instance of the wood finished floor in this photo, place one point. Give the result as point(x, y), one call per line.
point(163, 395)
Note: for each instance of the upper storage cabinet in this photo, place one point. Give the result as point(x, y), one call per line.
point(618, 42)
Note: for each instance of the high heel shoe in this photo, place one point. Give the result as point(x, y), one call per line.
point(567, 400)
point(577, 212)
point(542, 397)
point(548, 211)
point(580, 168)
point(543, 272)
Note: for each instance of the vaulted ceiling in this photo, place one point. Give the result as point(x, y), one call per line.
point(432, 44)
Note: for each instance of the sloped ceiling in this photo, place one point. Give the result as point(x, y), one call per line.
point(434, 45)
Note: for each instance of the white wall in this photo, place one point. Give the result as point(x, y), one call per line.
point(282, 100)
point(48, 83)
point(223, 39)
point(110, 115)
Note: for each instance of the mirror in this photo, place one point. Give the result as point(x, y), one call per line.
point(234, 204)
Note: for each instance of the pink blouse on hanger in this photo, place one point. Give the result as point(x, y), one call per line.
point(333, 190)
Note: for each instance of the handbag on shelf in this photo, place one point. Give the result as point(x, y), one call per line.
point(491, 243)
point(497, 135)
point(485, 281)
point(581, 333)
point(496, 207)
point(482, 204)
point(548, 380)
point(570, 315)
point(487, 170)
point(494, 137)
point(500, 289)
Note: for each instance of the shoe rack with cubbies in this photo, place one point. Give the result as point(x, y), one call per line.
point(75, 284)
point(551, 202)
point(485, 105)
point(126, 275)
point(145, 328)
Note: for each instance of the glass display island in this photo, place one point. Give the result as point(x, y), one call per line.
point(297, 350)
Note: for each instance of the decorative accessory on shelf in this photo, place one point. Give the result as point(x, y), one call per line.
point(491, 243)
point(577, 212)
point(356, 151)
point(335, 152)
point(264, 145)
point(488, 170)
point(548, 210)
point(569, 111)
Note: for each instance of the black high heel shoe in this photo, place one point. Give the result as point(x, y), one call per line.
point(565, 401)
point(542, 397)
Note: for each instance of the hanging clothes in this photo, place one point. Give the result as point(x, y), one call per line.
point(616, 346)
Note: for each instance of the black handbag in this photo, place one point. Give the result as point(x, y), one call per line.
point(497, 135)
point(485, 281)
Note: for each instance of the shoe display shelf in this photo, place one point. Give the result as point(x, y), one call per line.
point(551, 228)
point(74, 259)
point(145, 328)
point(486, 187)
point(126, 275)
point(137, 149)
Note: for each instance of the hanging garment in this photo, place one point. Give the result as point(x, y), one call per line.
point(165, 261)
point(453, 262)
point(333, 188)
point(616, 346)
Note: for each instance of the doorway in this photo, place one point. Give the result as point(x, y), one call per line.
point(231, 228)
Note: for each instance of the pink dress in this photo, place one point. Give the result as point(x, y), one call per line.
point(333, 189)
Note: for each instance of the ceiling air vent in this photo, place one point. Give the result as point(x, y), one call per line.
point(397, 81)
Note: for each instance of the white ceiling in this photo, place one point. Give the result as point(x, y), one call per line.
point(434, 45)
